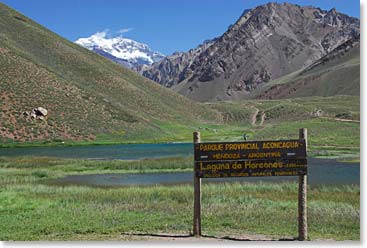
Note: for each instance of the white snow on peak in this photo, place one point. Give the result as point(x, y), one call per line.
point(121, 48)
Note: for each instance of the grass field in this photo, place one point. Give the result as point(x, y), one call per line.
point(32, 210)
point(332, 122)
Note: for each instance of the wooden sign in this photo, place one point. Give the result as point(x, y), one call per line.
point(250, 150)
point(251, 168)
point(252, 159)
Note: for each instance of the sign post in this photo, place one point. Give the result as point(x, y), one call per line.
point(197, 196)
point(252, 159)
point(302, 196)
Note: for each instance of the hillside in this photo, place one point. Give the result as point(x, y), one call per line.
point(332, 122)
point(88, 97)
point(337, 73)
point(266, 43)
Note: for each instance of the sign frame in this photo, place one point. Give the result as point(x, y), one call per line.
point(230, 164)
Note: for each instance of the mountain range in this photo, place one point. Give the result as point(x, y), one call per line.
point(265, 44)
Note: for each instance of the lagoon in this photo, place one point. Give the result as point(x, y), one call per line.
point(320, 172)
point(105, 152)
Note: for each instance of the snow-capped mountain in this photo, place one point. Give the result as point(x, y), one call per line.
point(124, 51)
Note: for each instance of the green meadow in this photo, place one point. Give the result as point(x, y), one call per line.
point(30, 209)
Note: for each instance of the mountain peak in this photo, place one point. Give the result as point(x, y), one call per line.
point(122, 50)
point(333, 10)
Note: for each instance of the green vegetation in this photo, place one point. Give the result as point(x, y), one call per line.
point(332, 122)
point(55, 167)
point(32, 210)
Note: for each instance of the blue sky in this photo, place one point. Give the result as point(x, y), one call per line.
point(165, 25)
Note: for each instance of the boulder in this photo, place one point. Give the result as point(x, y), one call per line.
point(317, 113)
point(40, 111)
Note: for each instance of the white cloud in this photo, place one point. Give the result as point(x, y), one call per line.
point(107, 34)
point(101, 34)
point(124, 30)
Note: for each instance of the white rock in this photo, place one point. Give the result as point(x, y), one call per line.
point(41, 111)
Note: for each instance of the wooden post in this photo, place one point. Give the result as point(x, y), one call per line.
point(197, 195)
point(302, 196)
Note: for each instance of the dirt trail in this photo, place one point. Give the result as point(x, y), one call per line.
point(254, 118)
point(339, 119)
point(262, 119)
point(190, 238)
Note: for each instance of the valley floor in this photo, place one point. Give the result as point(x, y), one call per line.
point(30, 209)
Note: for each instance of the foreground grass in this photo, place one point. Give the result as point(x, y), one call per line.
point(30, 210)
point(52, 213)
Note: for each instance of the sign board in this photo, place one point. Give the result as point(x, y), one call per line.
point(251, 159)
point(252, 168)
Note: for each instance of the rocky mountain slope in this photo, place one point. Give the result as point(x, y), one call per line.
point(124, 51)
point(265, 43)
point(173, 69)
point(337, 73)
point(52, 90)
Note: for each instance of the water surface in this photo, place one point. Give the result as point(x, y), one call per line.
point(320, 172)
point(107, 152)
